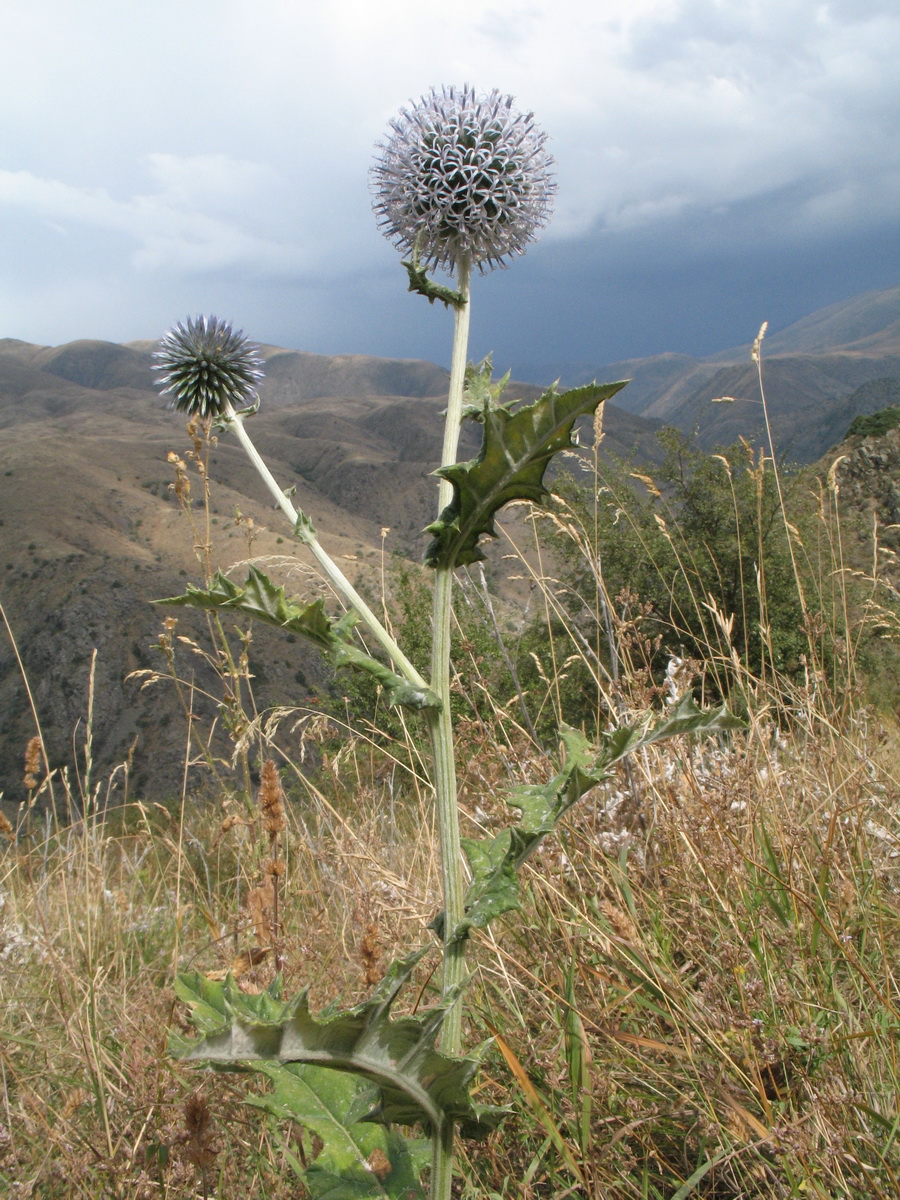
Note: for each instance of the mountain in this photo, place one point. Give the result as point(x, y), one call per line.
point(815, 374)
point(90, 531)
point(867, 324)
point(811, 401)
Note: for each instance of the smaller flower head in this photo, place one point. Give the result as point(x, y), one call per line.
point(207, 367)
point(463, 174)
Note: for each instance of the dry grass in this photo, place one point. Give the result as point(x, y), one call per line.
point(97, 919)
point(716, 999)
point(698, 998)
point(712, 990)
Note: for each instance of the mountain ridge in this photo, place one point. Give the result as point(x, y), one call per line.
point(90, 532)
point(810, 370)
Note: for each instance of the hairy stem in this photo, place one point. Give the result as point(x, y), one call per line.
point(442, 1163)
point(332, 571)
point(441, 730)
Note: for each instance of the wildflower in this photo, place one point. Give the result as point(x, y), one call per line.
point(208, 367)
point(463, 175)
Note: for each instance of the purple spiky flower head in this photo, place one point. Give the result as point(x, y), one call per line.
point(206, 366)
point(463, 174)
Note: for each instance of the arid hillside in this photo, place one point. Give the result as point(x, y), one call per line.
point(91, 532)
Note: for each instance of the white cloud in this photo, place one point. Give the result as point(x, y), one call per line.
point(175, 228)
point(234, 136)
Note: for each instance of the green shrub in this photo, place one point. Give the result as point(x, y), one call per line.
point(875, 424)
point(652, 561)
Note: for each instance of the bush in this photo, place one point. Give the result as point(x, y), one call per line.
point(875, 424)
point(694, 564)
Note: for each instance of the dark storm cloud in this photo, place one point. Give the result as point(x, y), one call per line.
point(714, 159)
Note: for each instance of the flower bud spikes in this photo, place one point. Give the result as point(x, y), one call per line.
point(207, 366)
point(463, 174)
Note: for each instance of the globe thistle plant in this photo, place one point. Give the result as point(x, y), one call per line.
point(208, 368)
point(462, 181)
point(211, 370)
point(463, 175)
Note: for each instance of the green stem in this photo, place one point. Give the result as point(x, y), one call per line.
point(441, 730)
point(442, 1162)
point(332, 571)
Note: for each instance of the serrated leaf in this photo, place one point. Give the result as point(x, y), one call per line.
point(304, 528)
point(516, 449)
point(495, 861)
point(684, 717)
point(495, 883)
point(413, 1083)
point(205, 998)
point(358, 1158)
point(261, 599)
point(481, 393)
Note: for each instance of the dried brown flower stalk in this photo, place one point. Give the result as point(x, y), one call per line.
point(32, 763)
point(272, 811)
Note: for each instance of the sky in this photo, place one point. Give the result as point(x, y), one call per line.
point(719, 163)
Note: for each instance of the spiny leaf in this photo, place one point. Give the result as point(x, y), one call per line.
point(304, 528)
point(494, 889)
point(516, 449)
point(262, 599)
point(495, 861)
point(481, 394)
point(684, 717)
point(412, 1082)
point(420, 282)
point(358, 1158)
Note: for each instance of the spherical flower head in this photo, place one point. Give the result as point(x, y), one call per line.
point(463, 175)
point(207, 367)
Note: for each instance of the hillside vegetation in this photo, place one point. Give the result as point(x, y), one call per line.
point(699, 995)
point(89, 534)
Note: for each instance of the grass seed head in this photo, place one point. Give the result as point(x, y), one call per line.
point(270, 797)
point(32, 763)
point(370, 955)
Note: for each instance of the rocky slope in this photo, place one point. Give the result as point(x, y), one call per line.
point(90, 531)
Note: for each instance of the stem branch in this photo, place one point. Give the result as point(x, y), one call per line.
point(334, 574)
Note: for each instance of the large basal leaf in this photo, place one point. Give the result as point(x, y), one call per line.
point(358, 1158)
point(516, 448)
point(495, 861)
point(412, 1082)
point(261, 599)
